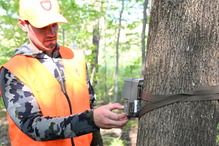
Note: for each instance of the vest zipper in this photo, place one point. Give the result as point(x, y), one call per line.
point(62, 84)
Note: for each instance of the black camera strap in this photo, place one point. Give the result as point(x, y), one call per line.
point(157, 101)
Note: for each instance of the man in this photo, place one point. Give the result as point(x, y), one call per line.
point(44, 86)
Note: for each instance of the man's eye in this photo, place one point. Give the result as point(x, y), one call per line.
point(55, 25)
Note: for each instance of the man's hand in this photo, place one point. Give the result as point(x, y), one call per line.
point(105, 118)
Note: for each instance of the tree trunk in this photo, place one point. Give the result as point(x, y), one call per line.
point(95, 51)
point(117, 54)
point(182, 54)
point(143, 33)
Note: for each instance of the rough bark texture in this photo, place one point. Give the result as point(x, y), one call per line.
point(182, 54)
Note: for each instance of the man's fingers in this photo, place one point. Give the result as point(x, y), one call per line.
point(106, 118)
point(115, 123)
point(115, 106)
point(115, 116)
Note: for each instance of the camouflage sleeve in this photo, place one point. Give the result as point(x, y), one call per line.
point(24, 111)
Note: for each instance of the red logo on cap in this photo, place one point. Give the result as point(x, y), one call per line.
point(46, 4)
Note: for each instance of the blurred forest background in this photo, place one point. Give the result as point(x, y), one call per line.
point(113, 36)
point(108, 31)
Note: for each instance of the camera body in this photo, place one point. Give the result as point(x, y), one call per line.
point(132, 94)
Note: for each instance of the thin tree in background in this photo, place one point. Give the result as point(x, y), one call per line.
point(105, 59)
point(95, 51)
point(96, 43)
point(182, 55)
point(63, 36)
point(143, 34)
point(117, 53)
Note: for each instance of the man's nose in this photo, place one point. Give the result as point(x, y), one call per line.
point(51, 31)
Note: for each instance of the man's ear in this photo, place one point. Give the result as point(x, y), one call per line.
point(23, 24)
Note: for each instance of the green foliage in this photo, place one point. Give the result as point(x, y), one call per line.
point(10, 34)
point(1, 103)
point(111, 139)
point(115, 138)
point(132, 123)
point(217, 140)
point(2, 112)
point(82, 16)
point(117, 142)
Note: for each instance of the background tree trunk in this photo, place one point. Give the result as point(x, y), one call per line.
point(143, 33)
point(95, 51)
point(117, 54)
point(182, 54)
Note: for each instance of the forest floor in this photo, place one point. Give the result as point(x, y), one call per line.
point(125, 136)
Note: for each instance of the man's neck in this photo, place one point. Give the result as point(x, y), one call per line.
point(35, 49)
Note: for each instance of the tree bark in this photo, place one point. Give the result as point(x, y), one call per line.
point(182, 54)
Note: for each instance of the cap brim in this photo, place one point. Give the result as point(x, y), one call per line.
point(43, 21)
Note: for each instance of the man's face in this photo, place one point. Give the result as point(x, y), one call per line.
point(44, 38)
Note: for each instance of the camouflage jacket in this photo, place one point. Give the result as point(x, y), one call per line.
point(17, 95)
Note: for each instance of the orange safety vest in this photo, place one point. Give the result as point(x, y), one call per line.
point(49, 95)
